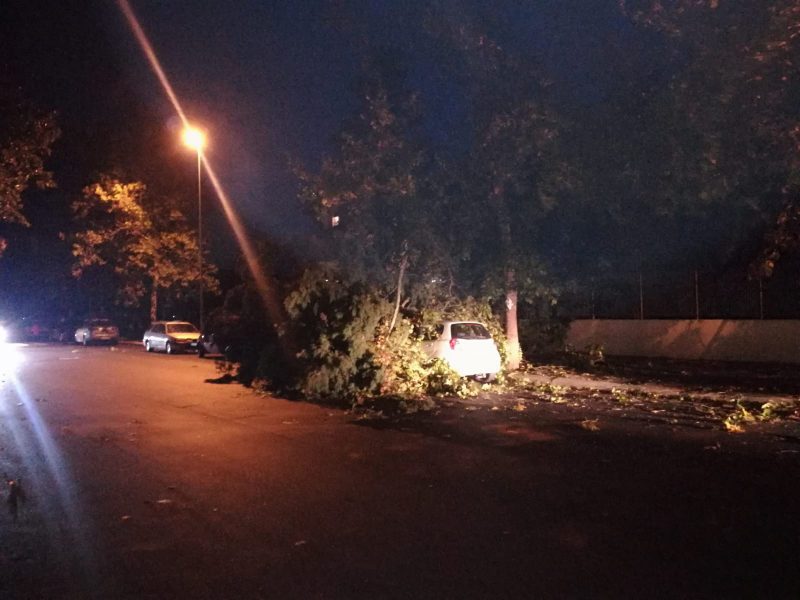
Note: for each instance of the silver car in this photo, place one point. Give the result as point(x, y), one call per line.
point(171, 337)
point(95, 331)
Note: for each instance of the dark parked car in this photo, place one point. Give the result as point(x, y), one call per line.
point(225, 336)
point(64, 331)
point(95, 331)
point(27, 329)
point(219, 344)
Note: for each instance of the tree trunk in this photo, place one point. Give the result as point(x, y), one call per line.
point(403, 265)
point(513, 349)
point(154, 302)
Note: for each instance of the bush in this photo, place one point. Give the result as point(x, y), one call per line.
point(443, 381)
point(590, 358)
point(336, 325)
point(542, 338)
point(348, 353)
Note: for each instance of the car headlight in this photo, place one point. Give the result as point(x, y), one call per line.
point(3, 334)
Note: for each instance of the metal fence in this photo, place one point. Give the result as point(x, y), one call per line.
point(682, 295)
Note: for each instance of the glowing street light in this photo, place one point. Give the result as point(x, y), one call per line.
point(196, 140)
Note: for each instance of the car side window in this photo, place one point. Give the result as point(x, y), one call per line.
point(159, 328)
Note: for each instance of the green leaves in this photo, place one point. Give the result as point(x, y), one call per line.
point(145, 240)
point(374, 196)
point(732, 146)
point(26, 140)
point(351, 353)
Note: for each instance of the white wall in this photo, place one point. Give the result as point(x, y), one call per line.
point(707, 339)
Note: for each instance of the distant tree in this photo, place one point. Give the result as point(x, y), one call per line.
point(145, 240)
point(522, 175)
point(672, 16)
point(26, 139)
point(735, 151)
point(516, 171)
point(373, 195)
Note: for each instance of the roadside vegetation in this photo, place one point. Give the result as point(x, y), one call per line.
point(694, 395)
point(27, 135)
point(349, 346)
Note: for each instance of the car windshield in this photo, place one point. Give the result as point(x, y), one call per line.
point(100, 323)
point(181, 328)
point(469, 331)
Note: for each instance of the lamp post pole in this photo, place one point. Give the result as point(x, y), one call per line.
point(200, 231)
point(196, 140)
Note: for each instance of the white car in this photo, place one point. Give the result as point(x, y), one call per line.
point(468, 347)
point(95, 331)
point(171, 337)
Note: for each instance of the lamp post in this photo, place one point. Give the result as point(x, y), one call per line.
point(196, 140)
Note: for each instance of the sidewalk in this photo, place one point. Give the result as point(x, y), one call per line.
point(558, 376)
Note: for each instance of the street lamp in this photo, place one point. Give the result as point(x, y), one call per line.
point(196, 140)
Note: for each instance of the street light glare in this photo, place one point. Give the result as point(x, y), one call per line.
point(194, 138)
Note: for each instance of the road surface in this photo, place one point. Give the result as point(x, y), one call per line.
point(144, 479)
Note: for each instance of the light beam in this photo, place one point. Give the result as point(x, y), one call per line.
point(266, 291)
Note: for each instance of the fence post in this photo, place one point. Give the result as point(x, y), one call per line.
point(696, 297)
point(641, 297)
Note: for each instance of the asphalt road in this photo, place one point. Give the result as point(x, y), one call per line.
point(144, 480)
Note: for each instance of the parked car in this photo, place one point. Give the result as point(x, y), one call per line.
point(219, 344)
point(29, 329)
point(210, 344)
point(171, 337)
point(63, 331)
point(225, 336)
point(95, 331)
point(468, 347)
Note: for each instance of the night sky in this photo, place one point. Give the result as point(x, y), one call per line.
point(271, 81)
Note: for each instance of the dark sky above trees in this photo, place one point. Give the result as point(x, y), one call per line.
point(274, 81)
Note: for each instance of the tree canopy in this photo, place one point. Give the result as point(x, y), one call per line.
point(26, 140)
point(144, 239)
point(733, 148)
